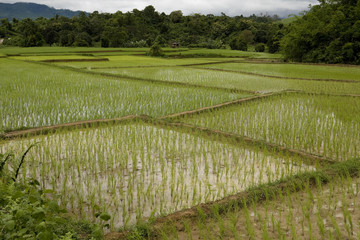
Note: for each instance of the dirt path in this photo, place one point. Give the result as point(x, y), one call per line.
point(73, 125)
point(76, 60)
point(94, 122)
point(161, 66)
point(308, 158)
point(87, 123)
point(125, 77)
point(257, 195)
point(237, 101)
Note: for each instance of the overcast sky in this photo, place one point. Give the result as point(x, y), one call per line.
point(229, 7)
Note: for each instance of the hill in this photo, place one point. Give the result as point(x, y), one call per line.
point(32, 10)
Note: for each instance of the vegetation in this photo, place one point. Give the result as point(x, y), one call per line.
point(55, 96)
point(28, 211)
point(291, 120)
point(321, 204)
point(138, 29)
point(134, 173)
point(329, 32)
point(293, 71)
point(259, 78)
point(155, 50)
point(230, 147)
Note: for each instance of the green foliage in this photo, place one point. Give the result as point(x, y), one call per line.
point(260, 47)
point(209, 44)
point(131, 29)
point(29, 212)
point(329, 32)
point(238, 43)
point(141, 231)
point(161, 40)
point(156, 50)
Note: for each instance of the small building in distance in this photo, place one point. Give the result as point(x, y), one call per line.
point(175, 45)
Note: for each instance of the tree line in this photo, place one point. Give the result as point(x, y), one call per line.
point(141, 29)
point(328, 32)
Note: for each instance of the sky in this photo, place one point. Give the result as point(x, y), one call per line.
point(230, 7)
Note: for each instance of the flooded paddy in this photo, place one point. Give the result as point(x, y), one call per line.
point(137, 171)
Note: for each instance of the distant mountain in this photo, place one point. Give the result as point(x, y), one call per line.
point(23, 10)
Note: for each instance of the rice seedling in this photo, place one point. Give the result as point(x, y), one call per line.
point(136, 171)
point(301, 215)
point(231, 80)
point(124, 61)
point(295, 70)
point(34, 96)
point(316, 124)
point(50, 57)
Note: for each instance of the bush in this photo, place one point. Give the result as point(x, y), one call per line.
point(156, 50)
point(210, 44)
point(238, 43)
point(136, 44)
point(260, 47)
point(29, 212)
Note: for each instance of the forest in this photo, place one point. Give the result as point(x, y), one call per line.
point(328, 32)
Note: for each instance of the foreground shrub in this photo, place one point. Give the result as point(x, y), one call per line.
point(29, 212)
point(260, 47)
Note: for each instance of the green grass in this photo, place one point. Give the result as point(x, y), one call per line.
point(33, 95)
point(316, 124)
point(295, 70)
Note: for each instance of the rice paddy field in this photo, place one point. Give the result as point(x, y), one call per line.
point(198, 144)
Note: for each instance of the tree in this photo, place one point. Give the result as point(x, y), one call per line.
point(156, 50)
point(116, 36)
point(238, 43)
point(329, 32)
point(30, 31)
point(176, 16)
point(260, 47)
point(161, 40)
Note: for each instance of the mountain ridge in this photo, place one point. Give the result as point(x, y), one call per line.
point(21, 10)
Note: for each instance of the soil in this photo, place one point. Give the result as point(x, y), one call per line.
point(53, 128)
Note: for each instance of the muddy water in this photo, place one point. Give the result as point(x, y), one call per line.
point(137, 171)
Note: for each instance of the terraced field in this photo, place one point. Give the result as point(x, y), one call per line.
point(209, 144)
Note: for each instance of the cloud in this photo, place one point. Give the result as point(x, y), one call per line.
point(229, 7)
